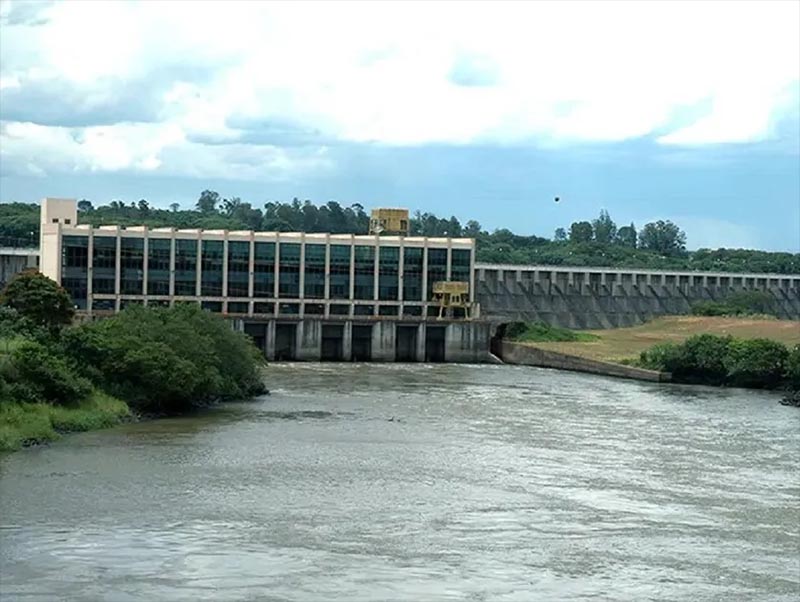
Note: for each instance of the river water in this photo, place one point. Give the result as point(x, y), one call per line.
point(415, 482)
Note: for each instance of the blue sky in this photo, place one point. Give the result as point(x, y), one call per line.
point(682, 111)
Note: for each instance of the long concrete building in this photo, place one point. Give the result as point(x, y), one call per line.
point(300, 295)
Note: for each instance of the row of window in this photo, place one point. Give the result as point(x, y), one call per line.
point(75, 262)
point(285, 309)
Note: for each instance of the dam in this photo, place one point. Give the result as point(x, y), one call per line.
point(372, 297)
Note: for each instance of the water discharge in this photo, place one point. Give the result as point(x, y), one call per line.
point(415, 482)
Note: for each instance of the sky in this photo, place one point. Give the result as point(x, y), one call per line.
point(681, 111)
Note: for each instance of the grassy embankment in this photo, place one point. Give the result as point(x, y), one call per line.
point(24, 424)
point(625, 344)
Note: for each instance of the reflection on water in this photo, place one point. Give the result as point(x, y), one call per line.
point(401, 482)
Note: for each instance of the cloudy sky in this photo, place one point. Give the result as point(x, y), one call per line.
point(682, 111)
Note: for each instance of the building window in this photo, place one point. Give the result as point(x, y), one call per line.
point(412, 310)
point(67, 221)
point(338, 310)
point(158, 252)
point(364, 272)
point(364, 310)
point(340, 272)
point(388, 310)
point(264, 308)
point(460, 265)
point(264, 270)
point(314, 277)
point(288, 271)
point(211, 266)
point(437, 268)
point(132, 266)
point(313, 309)
point(186, 267)
point(75, 268)
point(213, 306)
point(104, 265)
point(388, 273)
point(238, 307)
point(412, 274)
point(238, 269)
point(288, 309)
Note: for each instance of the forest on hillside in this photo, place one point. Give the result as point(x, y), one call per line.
point(595, 242)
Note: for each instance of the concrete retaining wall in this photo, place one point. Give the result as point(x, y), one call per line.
point(516, 353)
point(582, 306)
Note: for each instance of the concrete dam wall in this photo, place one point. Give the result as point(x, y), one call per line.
point(583, 299)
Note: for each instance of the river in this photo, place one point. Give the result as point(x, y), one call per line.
point(418, 483)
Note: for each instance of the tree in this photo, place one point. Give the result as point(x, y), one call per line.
point(39, 299)
point(174, 207)
point(580, 232)
point(207, 203)
point(85, 206)
point(229, 206)
point(472, 229)
point(561, 235)
point(626, 236)
point(143, 206)
point(663, 237)
point(604, 228)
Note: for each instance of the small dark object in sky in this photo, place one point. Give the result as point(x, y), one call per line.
point(557, 199)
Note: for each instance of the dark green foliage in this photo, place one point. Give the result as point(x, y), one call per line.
point(41, 300)
point(793, 368)
point(663, 237)
point(166, 360)
point(710, 359)
point(34, 374)
point(759, 363)
point(660, 245)
point(738, 304)
point(541, 332)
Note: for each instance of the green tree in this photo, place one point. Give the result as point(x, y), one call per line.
point(207, 203)
point(663, 237)
point(560, 235)
point(604, 228)
point(38, 299)
point(580, 232)
point(627, 236)
point(85, 206)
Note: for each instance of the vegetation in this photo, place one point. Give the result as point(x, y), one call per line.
point(598, 242)
point(715, 360)
point(744, 303)
point(621, 344)
point(56, 378)
point(541, 332)
point(39, 299)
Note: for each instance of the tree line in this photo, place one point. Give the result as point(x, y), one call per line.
point(598, 242)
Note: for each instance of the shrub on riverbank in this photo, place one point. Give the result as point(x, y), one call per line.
point(541, 332)
point(743, 303)
point(26, 423)
point(166, 360)
point(715, 360)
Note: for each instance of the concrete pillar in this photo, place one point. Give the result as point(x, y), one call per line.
point(383, 341)
point(466, 342)
point(251, 269)
point(199, 271)
point(421, 333)
point(117, 270)
point(309, 340)
point(145, 259)
point(347, 341)
point(172, 267)
point(269, 341)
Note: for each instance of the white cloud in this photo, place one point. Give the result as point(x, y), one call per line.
point(393, 73)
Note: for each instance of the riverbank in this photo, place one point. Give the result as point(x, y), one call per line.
point(26, 424)
point(737, 352)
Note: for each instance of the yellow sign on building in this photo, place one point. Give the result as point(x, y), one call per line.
point(389, 221)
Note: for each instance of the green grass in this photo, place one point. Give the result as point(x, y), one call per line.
point(539, 332)
point(30, 423)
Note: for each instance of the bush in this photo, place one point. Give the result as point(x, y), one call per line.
point(541, 332)
point(664, 357)
point(758, 363)
point(743, 303)
point(793, 368)
point(704, 359)
point(34, 374)
point(166, 360)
